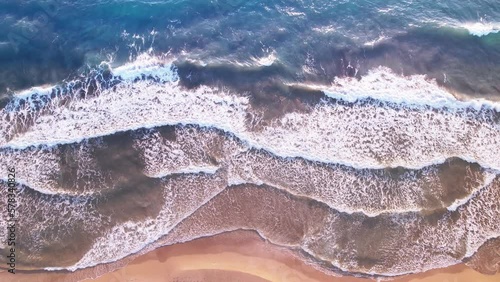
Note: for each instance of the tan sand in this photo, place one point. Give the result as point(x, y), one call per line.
point(240, 256)
point(228, 253)
point(241, 252)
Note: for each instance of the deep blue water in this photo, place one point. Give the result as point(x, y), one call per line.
point(53, 40)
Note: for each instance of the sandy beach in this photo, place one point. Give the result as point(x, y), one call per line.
point(235, 256)
point(253, 260)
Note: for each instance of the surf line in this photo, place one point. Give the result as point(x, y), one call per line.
point(12, 218)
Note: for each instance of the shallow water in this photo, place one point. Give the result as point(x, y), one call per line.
point(364, 134)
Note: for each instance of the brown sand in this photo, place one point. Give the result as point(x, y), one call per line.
point(240, 256)
point(242, 251)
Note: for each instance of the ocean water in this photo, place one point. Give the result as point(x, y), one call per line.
point(362, 134)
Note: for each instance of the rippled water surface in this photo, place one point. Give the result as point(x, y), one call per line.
point(362, 134)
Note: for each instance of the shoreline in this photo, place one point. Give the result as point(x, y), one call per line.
point(233, 256)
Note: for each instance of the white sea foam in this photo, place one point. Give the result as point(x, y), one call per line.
point(445, 240)
point(481, 212)
point(147, 65)
point(268, 60)
point(32, 96)
point(375, 41)
point(490, 176)
point(446, 237)
point(182, 197)
point(341, 188)
point(290, 11)
point(384, 85)
point(190, 170)
point(386, 10)
point(40, 90)
point(136, 106)
point(192, 151)
point(40, 188)
point(32, 169)
point(40, 169)
point(324, 29)
point(352, 191)
point(369, 135)
point(37, 216)
point(361, 136)
point(196, 150)
point(481, 28)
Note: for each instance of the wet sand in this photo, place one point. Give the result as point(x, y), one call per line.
point(240, 256)
point(192, 261)
point(242, 252)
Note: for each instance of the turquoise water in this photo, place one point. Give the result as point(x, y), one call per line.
point(49, 41)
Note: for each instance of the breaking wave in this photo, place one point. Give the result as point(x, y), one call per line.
point(367, 178)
